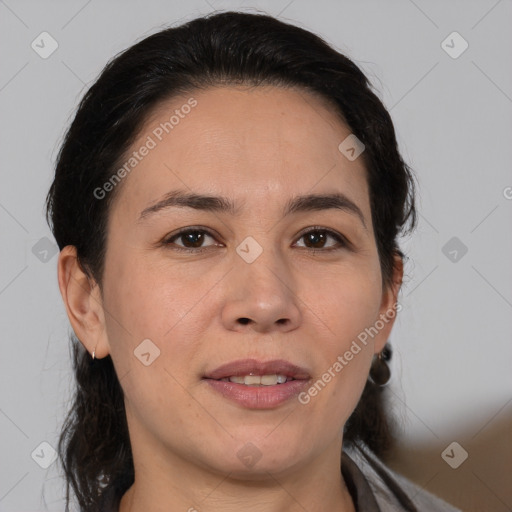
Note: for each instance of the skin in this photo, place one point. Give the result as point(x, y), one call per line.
point(259, 147)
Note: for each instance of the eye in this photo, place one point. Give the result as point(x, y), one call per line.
point(192, 240)
point(317, 237)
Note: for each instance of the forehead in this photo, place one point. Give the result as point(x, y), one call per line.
point(249, 142)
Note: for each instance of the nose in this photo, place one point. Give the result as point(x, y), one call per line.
point(261, 296)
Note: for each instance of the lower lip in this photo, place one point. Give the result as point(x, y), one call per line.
point(258, 397)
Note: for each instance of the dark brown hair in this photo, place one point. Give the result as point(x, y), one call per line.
point(220, 49)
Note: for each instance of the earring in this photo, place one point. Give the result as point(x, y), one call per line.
point(379, 371)
point(94, 353)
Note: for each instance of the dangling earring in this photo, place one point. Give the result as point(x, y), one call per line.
point(379, 371)
point(94, 353)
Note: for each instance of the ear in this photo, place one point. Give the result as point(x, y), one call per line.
point(389, 305)
point(84, 304)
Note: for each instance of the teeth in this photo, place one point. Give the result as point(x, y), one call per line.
point(251, 380)
point(258, 380)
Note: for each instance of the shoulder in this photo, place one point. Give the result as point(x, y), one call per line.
point(392, 491)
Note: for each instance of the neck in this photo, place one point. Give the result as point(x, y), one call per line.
point(160, 483)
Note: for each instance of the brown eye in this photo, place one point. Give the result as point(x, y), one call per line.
point(190, 239)
point(194, 238)
point(317, 239)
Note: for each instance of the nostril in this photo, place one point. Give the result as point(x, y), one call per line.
point(244, 321)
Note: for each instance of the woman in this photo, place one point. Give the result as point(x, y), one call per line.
point(227, 202)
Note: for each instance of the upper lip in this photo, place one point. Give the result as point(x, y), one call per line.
point(254, 367)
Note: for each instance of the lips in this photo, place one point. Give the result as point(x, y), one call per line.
point(270, 393)
point(244, 367)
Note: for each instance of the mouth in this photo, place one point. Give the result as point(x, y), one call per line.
point(258, 380)
point(251, 372)
point(258, 385)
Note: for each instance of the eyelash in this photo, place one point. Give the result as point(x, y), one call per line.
point(342, 241)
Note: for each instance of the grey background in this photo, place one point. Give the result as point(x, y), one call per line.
point(451, 370)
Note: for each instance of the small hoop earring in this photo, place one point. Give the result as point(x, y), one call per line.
point(379, 370)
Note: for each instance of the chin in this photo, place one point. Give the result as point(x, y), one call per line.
point(261, 470)
point(256, 460)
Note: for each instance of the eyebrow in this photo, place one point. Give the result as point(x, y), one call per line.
point(219, 204)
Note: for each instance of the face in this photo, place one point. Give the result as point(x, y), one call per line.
point(206, 285)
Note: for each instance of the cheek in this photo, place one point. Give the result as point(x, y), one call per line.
point(345, 301)
point(345, 307)
point(148, 302)
point(159, 302)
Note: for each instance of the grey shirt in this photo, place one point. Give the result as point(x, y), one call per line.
point(373, 487)
point(379, 489)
